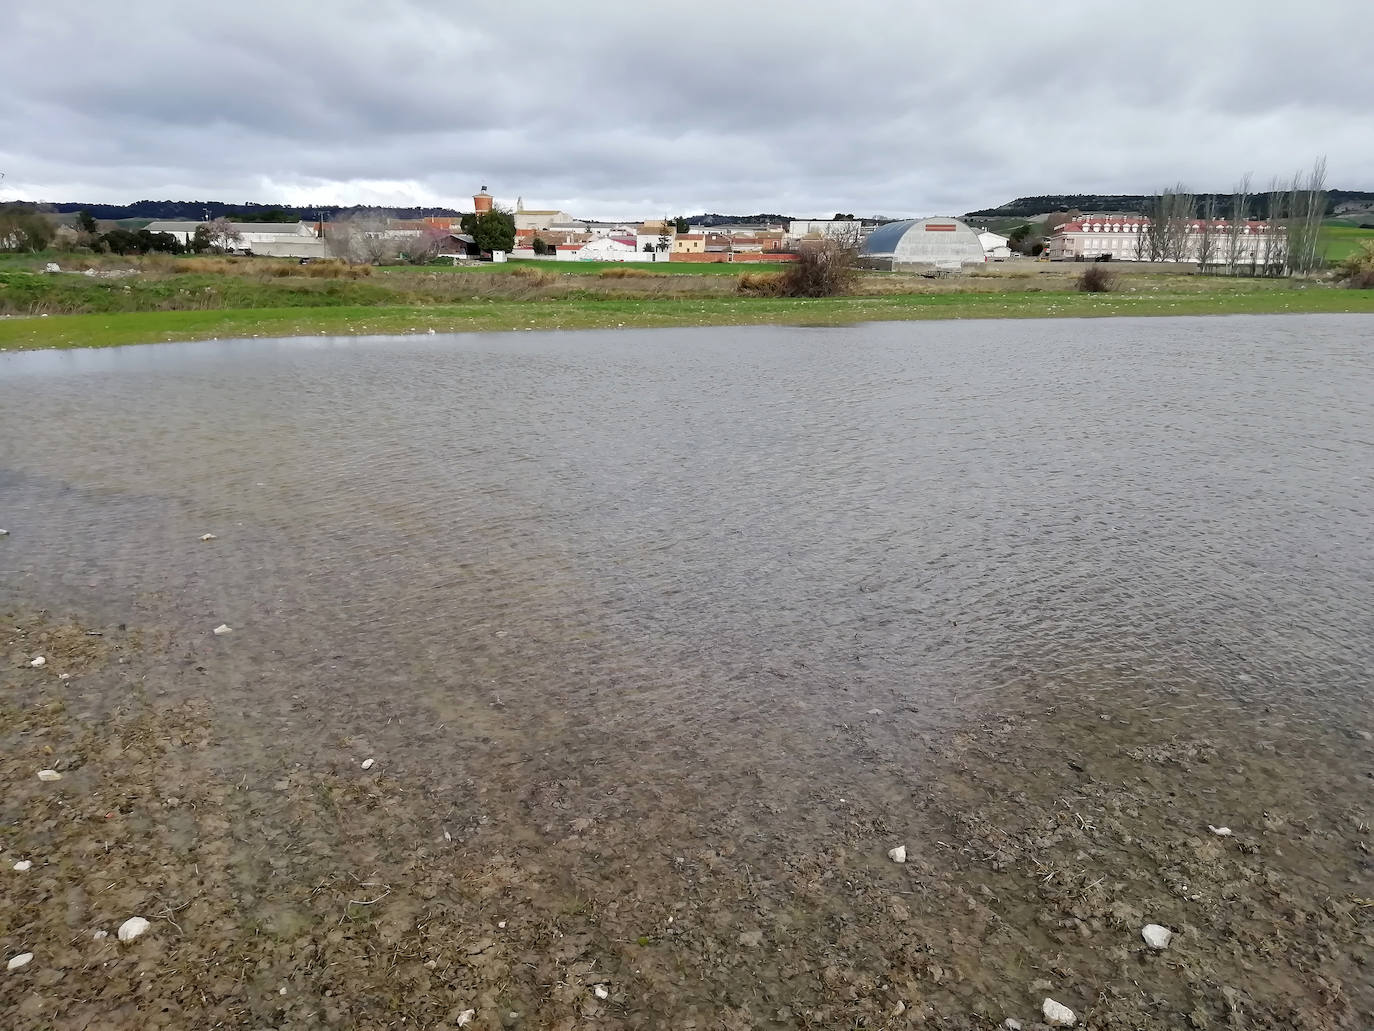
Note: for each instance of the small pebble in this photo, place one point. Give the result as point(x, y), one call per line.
point(64, 676)
point(132, 928)
point(282, 991)
point(21, 960)
point(1012, 1024)
point(49, 775)
point(4, 533)
point(367, 763)
point(601, 992)
point(1156, 937)
point(38, 662)
point(1220, 832)
point(24, 865)
point(898, 854)
point(222, 629)
point(1057, 1014)
point(208, 537)
point(465, 1017)
point(100, 935)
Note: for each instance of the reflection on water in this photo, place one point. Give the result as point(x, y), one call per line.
point(756, 532)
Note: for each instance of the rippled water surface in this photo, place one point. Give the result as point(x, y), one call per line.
point(660, 642)
point(748, 533)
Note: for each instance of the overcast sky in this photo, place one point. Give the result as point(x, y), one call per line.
point(642, 108)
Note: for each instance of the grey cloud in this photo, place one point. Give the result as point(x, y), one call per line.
point(614, 108)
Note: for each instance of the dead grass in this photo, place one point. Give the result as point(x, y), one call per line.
point(628, 272)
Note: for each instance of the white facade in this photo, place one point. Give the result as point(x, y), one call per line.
point(276, 239)
point(845, 229)
point(1127, 239)
point(606, 249)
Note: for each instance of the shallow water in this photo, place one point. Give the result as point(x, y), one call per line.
point(618, 604)
point(667, 525)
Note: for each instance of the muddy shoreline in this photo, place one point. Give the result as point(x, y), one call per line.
point(288, 887)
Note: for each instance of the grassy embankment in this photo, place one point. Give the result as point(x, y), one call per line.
point(185, 299)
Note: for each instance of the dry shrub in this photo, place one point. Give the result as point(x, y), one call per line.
point(1357, 271)
point(333, 268)
point(531, 275)
point(1097, 279)
point(761, 284)
point(824, 269)
point(627, 272)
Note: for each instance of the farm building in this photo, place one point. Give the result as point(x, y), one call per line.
point(995, 246)
point(922, 242)
point(278, 239)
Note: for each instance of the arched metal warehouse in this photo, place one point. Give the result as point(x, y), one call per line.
point(921, 242)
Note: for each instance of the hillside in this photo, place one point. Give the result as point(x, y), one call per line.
point(195, 210)
point(1026, 207)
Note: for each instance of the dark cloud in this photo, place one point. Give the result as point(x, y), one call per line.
point(619, 109)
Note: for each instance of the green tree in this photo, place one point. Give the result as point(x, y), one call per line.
point(86, 222)
point(681, 224)
point(22, 229)
point(200, 241)
point(492, 230)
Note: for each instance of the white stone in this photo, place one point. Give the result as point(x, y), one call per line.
point(100, 935)
point(208, 537)
point(465, 1017)
point(21, 960)
point(4, 533)
point(64, 676)
point(49, 775)
point(601, 992)
point(24, 865)
point(367, 763)
point(1220, 832)
point(132, 928)
point(38, 662)
point(1012, 1024)
point(1156, 937)
point(222, 629)
point(1057, 1014)
point(898, 854)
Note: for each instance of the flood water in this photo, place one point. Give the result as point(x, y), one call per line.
point(696, 559)
point(668, 525)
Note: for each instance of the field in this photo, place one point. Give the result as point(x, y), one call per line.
point(1344, 240)
point(160, 298)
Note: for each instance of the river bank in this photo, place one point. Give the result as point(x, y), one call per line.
point(288, 885)
point(195, 299)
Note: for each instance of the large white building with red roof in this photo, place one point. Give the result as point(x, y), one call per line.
point(1126, 238)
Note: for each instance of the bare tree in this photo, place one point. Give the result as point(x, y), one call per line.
point(363, 239)
point(1305, 209)
point(427, 245)
point(223, 235)
point(1237, 223)
point(1207, 233)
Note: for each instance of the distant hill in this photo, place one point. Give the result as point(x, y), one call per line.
point(195, 210)
point(1025, 207)
point(714, 219)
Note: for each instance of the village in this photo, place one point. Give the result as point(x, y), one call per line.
point(942, 244)
point(557, 235)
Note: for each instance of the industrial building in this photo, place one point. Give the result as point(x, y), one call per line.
point(920, 243)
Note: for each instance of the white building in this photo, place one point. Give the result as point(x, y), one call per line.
point(1126, 238)
point(919, 242)
point(847, 230)
point(995, 247)
point(277, 239)
point(606, 248)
